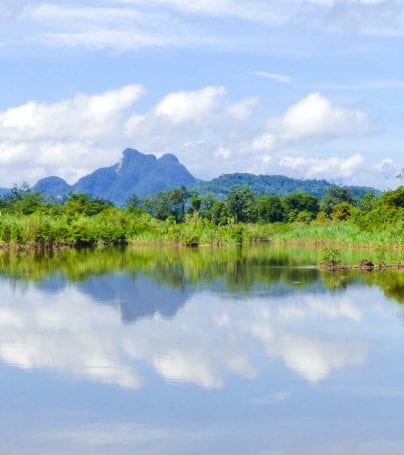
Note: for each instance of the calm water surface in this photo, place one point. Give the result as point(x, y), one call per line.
point(167, 351)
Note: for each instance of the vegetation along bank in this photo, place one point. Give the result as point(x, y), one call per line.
point(29, 219)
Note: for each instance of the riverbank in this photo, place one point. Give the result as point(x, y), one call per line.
point(116, 227)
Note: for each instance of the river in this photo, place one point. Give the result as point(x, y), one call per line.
point(199, 351)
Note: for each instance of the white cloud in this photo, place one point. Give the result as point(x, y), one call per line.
point(210, 134)
point(313, 117)
point(68, 138)
point(327, 168)
point(281, 78)
point(192, 106)
point(86, 117)
point(242, 109)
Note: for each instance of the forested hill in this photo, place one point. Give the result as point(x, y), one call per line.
point(273, 184)
point(145, 175)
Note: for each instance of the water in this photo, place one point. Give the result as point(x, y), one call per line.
point(180, 351)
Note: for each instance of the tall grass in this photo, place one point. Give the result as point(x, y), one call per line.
point(114, 227)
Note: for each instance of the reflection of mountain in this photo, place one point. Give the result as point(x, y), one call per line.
point(137, 298)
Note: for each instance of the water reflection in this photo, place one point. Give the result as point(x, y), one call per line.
point(190, 316)
point(208, 339)
point(238, 270)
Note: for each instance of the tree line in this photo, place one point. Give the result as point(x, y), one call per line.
point(240, 205)
point(243, 205)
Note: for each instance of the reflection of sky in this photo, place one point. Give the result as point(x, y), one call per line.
point(164, 377)
point(207, 340)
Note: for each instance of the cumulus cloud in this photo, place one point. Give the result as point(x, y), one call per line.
point(68, 137)
point(320, 168)
point(86, 117)
point(208, 131)
point(313, 117)
point(191, 106)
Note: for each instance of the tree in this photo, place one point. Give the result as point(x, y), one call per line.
point(341, 211)
point(270, 209)
point(23, 200)
point(168, 203)
point(394, 199)
point(177, 199)
point(134, 204)
point(77, 203)
point(368, 202)
point(334, 195)
point(295, 203)
point(240, 202)
point(220, 213)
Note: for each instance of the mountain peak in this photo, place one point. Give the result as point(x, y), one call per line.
point(53, 186)
point(136, 173)
point(168, 158)
point(128, 152)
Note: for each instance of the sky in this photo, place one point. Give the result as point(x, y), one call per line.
point(304, 88)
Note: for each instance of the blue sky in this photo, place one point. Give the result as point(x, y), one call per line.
point(311, 89)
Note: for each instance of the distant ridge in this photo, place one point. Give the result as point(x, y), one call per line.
point(273, 184)
point(145, 175)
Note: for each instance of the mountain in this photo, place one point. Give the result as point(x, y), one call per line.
point(3, 191)
point(136, 173)
point(273, 184)
point(53, 187)
point(145, 175)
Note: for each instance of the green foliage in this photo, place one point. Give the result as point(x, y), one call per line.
point(333, 196)
point(341, 211)
point(241, 204)
point(181, 216)
point(22, 200)
point(80, 203)
point(331, 257)
point(170, 203)
point(393, 199)
point(270, 209)
point(296, 203)
point(381, 256)
point(369, 202)
point(279, 185)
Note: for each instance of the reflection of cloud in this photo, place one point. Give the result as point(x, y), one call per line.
point(314, 357)
point(315, 307)
point(68, 332)
point(130, 438)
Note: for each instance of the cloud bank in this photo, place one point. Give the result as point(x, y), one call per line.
point(210, 133)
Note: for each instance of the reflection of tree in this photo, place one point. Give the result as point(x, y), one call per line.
point(337, 279)
point(239, 268)
point(391, 281)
